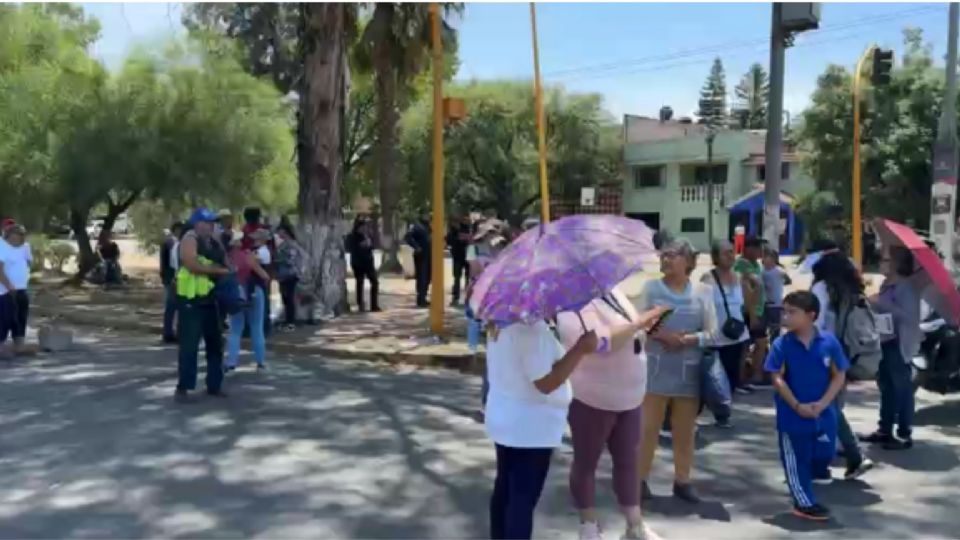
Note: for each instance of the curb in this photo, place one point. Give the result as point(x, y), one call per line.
point(466, 363)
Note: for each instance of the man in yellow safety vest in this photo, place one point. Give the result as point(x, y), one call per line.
point(202, 260)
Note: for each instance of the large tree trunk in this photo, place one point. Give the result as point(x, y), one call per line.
point(387, 160)
point(319, 152)
point(86, 258)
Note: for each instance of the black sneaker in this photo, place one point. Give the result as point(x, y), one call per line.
point(816, 512)
point(181, 396)
point(723, 424)
point(685, 493)
point(857, 469)
point(898, 444)
point(216, 393)
point(877, 437)
point(645, 493)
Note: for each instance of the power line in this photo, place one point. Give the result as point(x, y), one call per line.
point(699, 61)
point(577, 72)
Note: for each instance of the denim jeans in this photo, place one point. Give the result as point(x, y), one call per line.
point(169, 310)
point(848, 440)
point(252, 318)
point(896, 391)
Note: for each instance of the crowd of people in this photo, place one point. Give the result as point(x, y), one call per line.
point(216, 278)
point(619, 371)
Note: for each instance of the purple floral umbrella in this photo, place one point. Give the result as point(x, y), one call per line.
point(561, 266)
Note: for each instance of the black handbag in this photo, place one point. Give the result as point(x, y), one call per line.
point(732, 328)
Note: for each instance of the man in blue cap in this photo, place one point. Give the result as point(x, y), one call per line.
point(202, 260)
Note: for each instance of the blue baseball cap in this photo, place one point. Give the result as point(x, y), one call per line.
point(202, 214)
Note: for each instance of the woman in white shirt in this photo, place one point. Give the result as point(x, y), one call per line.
point(15, 260)
point(526, 416)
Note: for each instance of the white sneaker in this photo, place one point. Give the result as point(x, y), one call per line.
point(640, 533)
point(590, 531)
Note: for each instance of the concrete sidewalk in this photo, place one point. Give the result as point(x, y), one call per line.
point(399, 334)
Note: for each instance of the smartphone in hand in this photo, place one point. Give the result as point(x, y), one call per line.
point(660, 320)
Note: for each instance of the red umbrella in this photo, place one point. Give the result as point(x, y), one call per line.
point(947, 299)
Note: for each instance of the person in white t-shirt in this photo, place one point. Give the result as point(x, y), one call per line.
point(526, 416)
point(15, 260)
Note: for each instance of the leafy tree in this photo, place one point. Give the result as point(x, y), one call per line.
point(182, 124)
point(752, 93)
point(267, 32)
point(713, 97)
point(396, 44)
point(491, 160)
point(897, 133)
point(42, 52)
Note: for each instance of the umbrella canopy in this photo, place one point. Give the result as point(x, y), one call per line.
point(560, 266)
point(946, 299)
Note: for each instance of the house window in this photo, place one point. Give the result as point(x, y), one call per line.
point(693, 225)
point(702, 174)
point(784, 172)
point(647, 177)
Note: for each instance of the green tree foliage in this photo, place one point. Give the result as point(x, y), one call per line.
point(713, 97)
point(45, 75)
point(395, 45)
point(186, 123)
point(267, 33)
point(898, 129)
point(753, 92)
point(491, 157)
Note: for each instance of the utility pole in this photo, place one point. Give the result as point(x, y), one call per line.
point(711, 136)
point(541, 121)
point(774, 146)
point(438, 235)
point(943, 219)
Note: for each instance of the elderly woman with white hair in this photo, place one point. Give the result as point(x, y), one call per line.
point(674, 354)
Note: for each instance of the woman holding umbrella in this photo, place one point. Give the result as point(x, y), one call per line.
point(674, 355)
point(898, 304)
point(911, 268)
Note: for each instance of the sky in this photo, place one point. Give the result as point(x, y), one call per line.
point(638, 56)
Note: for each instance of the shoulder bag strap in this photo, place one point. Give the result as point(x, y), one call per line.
point(723, 294)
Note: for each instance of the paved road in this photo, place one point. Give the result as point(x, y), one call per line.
point(93, 446)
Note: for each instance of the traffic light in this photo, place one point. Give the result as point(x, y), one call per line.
point(882, 65)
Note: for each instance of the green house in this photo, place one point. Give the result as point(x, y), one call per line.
point(667, 174)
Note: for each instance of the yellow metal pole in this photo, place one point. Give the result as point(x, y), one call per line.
point(541, 121)
point(438, 235)
point(856, 218)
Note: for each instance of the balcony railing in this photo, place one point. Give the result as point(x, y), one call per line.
point(699, 193)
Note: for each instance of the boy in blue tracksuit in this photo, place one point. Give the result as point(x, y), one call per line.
point(808, 369)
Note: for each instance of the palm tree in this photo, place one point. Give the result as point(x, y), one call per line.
point(396, 44)
point(752, 97)
point(323, 86)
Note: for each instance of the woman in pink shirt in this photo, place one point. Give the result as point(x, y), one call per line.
point(605, 412)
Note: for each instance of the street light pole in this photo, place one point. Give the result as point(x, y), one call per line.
point(943, 206)
point(437, 236)
point(774, 143)
point(711, 135)
point(541, 121)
